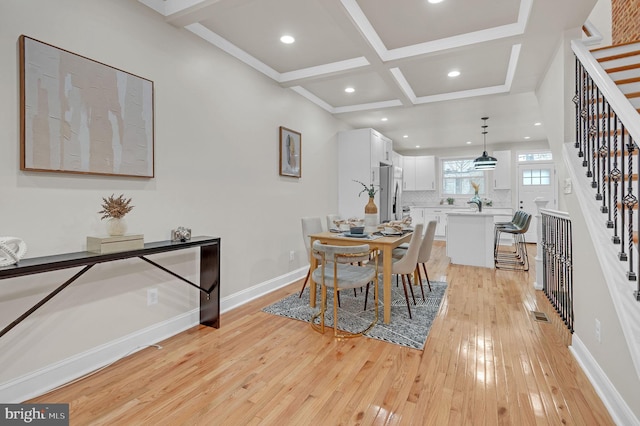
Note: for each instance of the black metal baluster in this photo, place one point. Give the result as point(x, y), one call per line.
point(604, 157)
point(615, 177)
point(569, 257)
point(630, 201)
point(584, 114)
point(623, 210)
point(576, 102)
point(595, 137)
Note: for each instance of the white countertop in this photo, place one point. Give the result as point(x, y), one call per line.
point(455, 207)
point(475, 213)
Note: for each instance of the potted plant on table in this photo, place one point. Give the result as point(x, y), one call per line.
point(371, 190)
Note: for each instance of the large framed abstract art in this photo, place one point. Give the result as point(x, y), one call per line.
point(78, 115)
point(290, 153)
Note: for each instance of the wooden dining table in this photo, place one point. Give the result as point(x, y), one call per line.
point(384, 244)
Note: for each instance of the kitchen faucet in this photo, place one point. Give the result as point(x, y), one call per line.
point(478, 202)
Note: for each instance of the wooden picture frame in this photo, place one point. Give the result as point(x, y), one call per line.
point(290, 153)
point(81, 116)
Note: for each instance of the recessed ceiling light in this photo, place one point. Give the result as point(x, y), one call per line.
point(405, 136)
point(287, 39)
point(537, 124)
point(435, 1)
point(453, 73)
point(527, 137)
point(349, 90)
point(417, 146)
point(468, 142)
point(384, 119)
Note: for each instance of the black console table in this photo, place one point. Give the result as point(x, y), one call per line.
point(209, 272)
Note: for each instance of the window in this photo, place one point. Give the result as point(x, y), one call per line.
point(536, 177)
point(535, 156)
point(457, 175)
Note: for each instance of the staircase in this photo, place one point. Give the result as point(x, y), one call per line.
point(622, 64)
point(603, 164)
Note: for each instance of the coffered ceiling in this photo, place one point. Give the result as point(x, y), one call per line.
point(396, 56)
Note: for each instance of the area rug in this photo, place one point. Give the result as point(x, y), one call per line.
point(352, 317)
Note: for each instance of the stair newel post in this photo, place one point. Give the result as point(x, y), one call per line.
point(541, 203)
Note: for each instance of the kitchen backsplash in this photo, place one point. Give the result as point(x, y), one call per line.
point(500, 198)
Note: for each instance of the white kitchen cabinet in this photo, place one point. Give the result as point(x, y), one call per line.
point(417, 215)
point(440, 216)
point(419, 173)
point(409, 173)
point(396, 159)
point(502, 172)
point(360, 154)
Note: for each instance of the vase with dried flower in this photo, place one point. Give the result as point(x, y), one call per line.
point(370, 209)
point(114, 209)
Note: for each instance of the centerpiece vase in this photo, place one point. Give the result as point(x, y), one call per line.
point(370, 216)
point(116, 226)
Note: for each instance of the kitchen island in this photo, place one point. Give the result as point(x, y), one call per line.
point(470, 237)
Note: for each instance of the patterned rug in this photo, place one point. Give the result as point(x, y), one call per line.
point(352, 316)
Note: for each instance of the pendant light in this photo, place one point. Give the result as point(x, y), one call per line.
point(485, 162)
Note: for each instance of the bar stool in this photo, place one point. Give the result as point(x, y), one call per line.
point(517, 220)
point(518, 259)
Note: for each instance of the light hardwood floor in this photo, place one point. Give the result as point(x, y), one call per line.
point(486, 362)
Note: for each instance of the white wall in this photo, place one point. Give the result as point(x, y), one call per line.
point(216, 157)
point(591, 296)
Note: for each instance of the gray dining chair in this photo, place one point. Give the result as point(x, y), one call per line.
point(340, 270)
point(310, 225)
point(405, 266)
point(423, 255)
point(331, 218)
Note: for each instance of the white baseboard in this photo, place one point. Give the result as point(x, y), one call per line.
point(240, 298)
point(618, 408)
point(52, 376)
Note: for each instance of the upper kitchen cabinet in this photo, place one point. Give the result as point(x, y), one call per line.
point(419, 173)
point(396, 159)
point(381, 148)
point(360, 154)
point(502, 172)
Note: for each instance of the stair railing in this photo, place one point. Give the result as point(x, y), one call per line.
point(607, 128)
point(557, 260)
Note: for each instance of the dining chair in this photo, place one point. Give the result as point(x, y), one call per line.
point(339, 271)
point(310, 225)
point(406, 265)
point(425, 253)
point(331, 218)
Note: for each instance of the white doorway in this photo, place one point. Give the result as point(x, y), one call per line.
point(536, 179)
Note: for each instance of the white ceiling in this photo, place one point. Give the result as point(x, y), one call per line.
point(396, 55)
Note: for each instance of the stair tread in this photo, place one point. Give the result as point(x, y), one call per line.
point(622, 68)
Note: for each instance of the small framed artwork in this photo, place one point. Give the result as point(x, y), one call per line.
point(81, 116)
point(290, 153)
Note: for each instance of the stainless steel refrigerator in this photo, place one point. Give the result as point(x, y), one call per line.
point(390, 193)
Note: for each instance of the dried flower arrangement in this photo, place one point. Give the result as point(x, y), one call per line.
point(476, 187)
point(371, 190)
point(115, 207)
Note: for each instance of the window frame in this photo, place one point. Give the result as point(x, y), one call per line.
point(482, 175)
